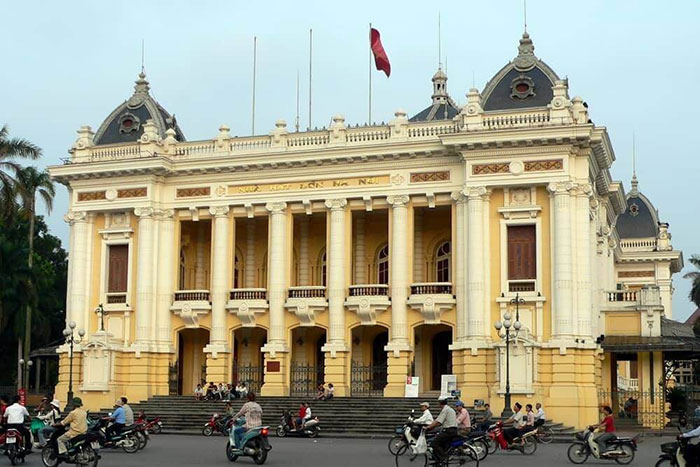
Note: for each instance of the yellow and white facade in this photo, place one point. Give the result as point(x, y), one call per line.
point(368, 253)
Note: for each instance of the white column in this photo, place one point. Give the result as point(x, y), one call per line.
point(165, 286)
point(459, 254)
point(418, 257)
point(486, 248)
point(77, 259)
point(250, 254)
point(583, 259)
point(398, 250)
point(360, 259)
point(88, 308)
point(144, 274)
point(220, 276)
point(304, 251)
point(277, 272)
point(562, 311)
point(200, 273)
point(336, 273)
point(476, 323)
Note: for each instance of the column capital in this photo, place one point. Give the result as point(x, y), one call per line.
point(473, 192)
point(145, 212)
point(219, 211)
point(71, 217)
point(165, 214)
point(559, 188)
point(583, 189)
point(276, 207)
point(337, 204)
point(398, 201)
point(459, 196)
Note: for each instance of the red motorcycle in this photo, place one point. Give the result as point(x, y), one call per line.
point(12, 444)
point(218, 425)
point(153, 425)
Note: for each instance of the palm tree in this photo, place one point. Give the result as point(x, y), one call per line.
point(30, 183)
point(694, 276)
point(11, 148)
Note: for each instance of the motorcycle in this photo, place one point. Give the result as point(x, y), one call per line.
point(127, 439)
point(81, 450)
point(618, 449)
point(526, 443)
point(673, 454)
point(417, 450)
point(153, 425)
point(309, 428)
point(253, 443)
point(217, 425)
point(12, 444)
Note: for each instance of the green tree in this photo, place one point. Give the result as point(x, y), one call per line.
point(10, 149)
point(30, 184)
point(694, 276)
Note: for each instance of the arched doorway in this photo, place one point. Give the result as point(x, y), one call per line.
point(369, 361)
point(248, 360)
point(191, 360)
point(308, 360)
point(432, 356)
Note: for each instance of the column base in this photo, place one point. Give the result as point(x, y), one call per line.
point(217, 364)
point(399, 365)
point(475, 372)
point(276, 372)
point(337, 371)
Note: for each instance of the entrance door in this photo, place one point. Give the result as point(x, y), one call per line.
point(442, 357)
point(191, 359)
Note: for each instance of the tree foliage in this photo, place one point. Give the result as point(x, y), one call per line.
point(694, 276)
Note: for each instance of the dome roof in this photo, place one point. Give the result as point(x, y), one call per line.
point(524, 82)
point(125, 123)
point(443, 107)
point(640, 219)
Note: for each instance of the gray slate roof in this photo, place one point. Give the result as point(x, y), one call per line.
point(640, 219)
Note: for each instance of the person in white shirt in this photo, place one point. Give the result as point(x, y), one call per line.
point(307, 414)
point(517, 420)
point(49, 418)
point(199, 393)
point(14, 416)
point(692, 451)
point(540, 416)
point(426, 418)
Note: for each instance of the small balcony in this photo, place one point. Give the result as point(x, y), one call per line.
point(116, 298)
point(247, 304)
point(432, 299)
point(627, 296)
point(306, 302)
point(191, 305)
point(368, 301)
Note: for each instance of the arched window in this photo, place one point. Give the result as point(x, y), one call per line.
point(323, 268)
point(383, 265)
point(181, 280)
point(443, 258)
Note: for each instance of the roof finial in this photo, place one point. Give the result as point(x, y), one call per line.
point(143, 55)
point(635, 184)
point(525, 14)
point(439, 43)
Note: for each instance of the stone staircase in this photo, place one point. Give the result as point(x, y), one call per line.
point(341, 417)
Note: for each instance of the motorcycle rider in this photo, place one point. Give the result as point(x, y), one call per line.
point(448, 421)
point(426, 418)
point(540, 416)
point(118, 420)
point(486, 421)
point(692, 451)
point(128, 413)
point(14, 416)
point(253, 418)
point(49, 418)
point(297, 421)
point(609, 425)
point(77, 421)
point(464, 423)
point(518, 422)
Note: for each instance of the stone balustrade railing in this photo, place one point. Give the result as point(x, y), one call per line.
point(248, 294)
point(623, 296)
point(431, 288)
point(191, 295)
point(307, 291)
point(648, 244)
point(363, 290)
point(519, 120)
point(116, 297)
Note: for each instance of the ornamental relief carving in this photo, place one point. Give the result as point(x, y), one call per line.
point(426, 177)
point(190, 192)
point(541, 166)
point(132, 192)
point(487, 169)
point(635, 274)
point(517, 167)
point(520, 196)
point(92, 195)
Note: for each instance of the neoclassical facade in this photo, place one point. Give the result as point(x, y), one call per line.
point(360, 255)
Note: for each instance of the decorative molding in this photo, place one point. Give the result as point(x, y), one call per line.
point(459, 196)
point(635, 274)
point(195, 191)
point(426, 177)
point(543, 166)
point(475, 191)
point(310, 185)
point(92, 195)
point(398, 179)
point(71, 217)
point(556, 188)
point(132, 192)
point(488, 169)
point(144, 212)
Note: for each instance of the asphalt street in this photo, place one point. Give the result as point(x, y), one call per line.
point(168, 450)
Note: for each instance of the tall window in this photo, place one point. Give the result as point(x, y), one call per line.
point(181, 279)
point(323, 268)
point(383, 265)
point(236, 271)
point(522, 258)
point(443, 258)
point(117, 275)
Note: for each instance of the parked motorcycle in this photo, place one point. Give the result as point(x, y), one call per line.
point(254, 443)
point(526, 443)
point(618, 449)
point(81, 450)
point(673, 454)
point(310, 428)
point(153, 425)
point(12, 444)
point(217, 425)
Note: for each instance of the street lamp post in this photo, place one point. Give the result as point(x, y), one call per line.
point(101, 312)
point(507, 325)
point(25, 366)
point(71, 340)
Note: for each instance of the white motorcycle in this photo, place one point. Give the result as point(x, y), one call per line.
point(618, 449)
point(673, 454)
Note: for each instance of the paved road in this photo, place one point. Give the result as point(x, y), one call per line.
point(168, 450)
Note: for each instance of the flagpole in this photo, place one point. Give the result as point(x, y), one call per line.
point(255, 54)
point(369, 118)
point(311, 31)
point(296, 121)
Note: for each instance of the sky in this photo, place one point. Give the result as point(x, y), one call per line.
point(70, 63)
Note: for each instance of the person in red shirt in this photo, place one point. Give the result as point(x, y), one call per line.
point(298, 421)
point(608, 424)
